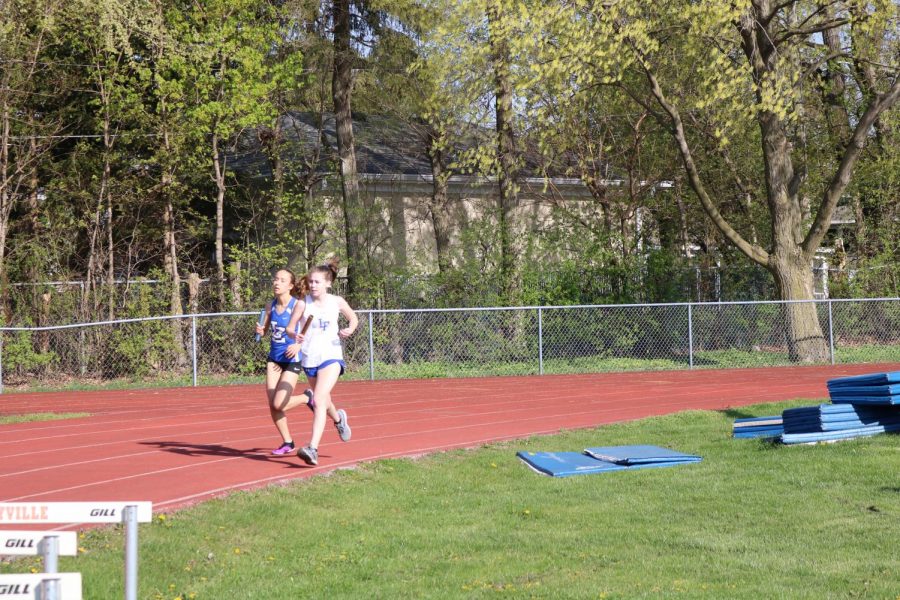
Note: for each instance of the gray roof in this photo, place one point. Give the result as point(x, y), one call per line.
point(384, 146)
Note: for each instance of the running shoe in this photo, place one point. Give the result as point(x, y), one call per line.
point(309, 455)
point(285, 448)
point(343, 426)
point(311, 403)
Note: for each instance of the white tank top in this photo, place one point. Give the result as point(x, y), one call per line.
point(321, 342)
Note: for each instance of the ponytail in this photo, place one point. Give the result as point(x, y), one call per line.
point(301, 287)
point(329, 268)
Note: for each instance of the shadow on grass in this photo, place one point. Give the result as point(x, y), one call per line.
point(734, 413)
point(258, 454)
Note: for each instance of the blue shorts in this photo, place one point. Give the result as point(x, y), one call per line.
point(313, 371)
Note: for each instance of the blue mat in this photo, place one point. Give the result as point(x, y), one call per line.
point(832, 436)
point(814, 426)
point(884, 400)
point(567, 464)
point(840, 412)
point(639, 455)
point(836, 417)
point(773, 432)
point(757, 427)
point(754, 422)
point(865, 390)
point(868, 379)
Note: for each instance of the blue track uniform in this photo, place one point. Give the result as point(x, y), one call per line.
point(280, 339)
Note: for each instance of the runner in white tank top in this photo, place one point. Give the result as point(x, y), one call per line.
point(323, 356)
point(321, 344)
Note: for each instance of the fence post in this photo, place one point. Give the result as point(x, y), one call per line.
point(2, 338)
point(194, 346)
point(830, 332)
point(371, 351)
point(690, 336)
point(540, 341)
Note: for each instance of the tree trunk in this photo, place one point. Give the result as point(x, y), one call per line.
point(510, 247)
point(341, 93)
point(219, 173)
point(438, 206)
point(110, 248)
point(193, 292)
point(6, 197)
point(235, 273)
point(805, 340)
point(170, 264)
point(170, 241)
point(88, 291)
point(789, 262)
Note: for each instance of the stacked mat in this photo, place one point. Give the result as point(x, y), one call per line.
point(861, 405)
point(875, 388)
point(753, 427)
point(602, 459)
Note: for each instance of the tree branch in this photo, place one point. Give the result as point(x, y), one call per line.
point(808, 31)
point(815, 66)
point(880, 103)
point(753, 251)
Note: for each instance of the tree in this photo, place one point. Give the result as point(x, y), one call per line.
point(224, 44)
point(748, 70)
point(27, 132)
point(472, 108)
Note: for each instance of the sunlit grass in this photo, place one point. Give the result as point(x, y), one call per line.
point(28, 418)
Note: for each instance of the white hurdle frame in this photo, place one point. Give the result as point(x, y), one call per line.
point(128, 513)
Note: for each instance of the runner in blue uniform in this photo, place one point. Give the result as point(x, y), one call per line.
point(282, 370)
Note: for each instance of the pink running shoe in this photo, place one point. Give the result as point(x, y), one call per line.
point(285, 448)
point(311, 403)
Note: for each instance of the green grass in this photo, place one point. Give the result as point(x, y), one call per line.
point(753, 520)
point(871, 353)
point(9, 419)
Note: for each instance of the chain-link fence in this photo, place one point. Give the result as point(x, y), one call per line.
point(219, 348)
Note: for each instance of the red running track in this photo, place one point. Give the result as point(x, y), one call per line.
point(177, 447)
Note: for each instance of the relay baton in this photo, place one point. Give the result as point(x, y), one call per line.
point(262, 321)
point(306, 325)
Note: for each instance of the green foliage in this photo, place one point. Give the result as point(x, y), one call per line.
point(20, 358)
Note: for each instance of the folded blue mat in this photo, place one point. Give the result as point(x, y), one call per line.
point(885, 400)
point(756, 427)
point(865, 390)
point(751, 422)
point(771, 432)
point(831, 436)
point(840, 412)
point(639, 455)
point(868, 379)
point(835, 417)
point(813, 426)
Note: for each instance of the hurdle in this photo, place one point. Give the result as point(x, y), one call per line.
point(52, 585)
